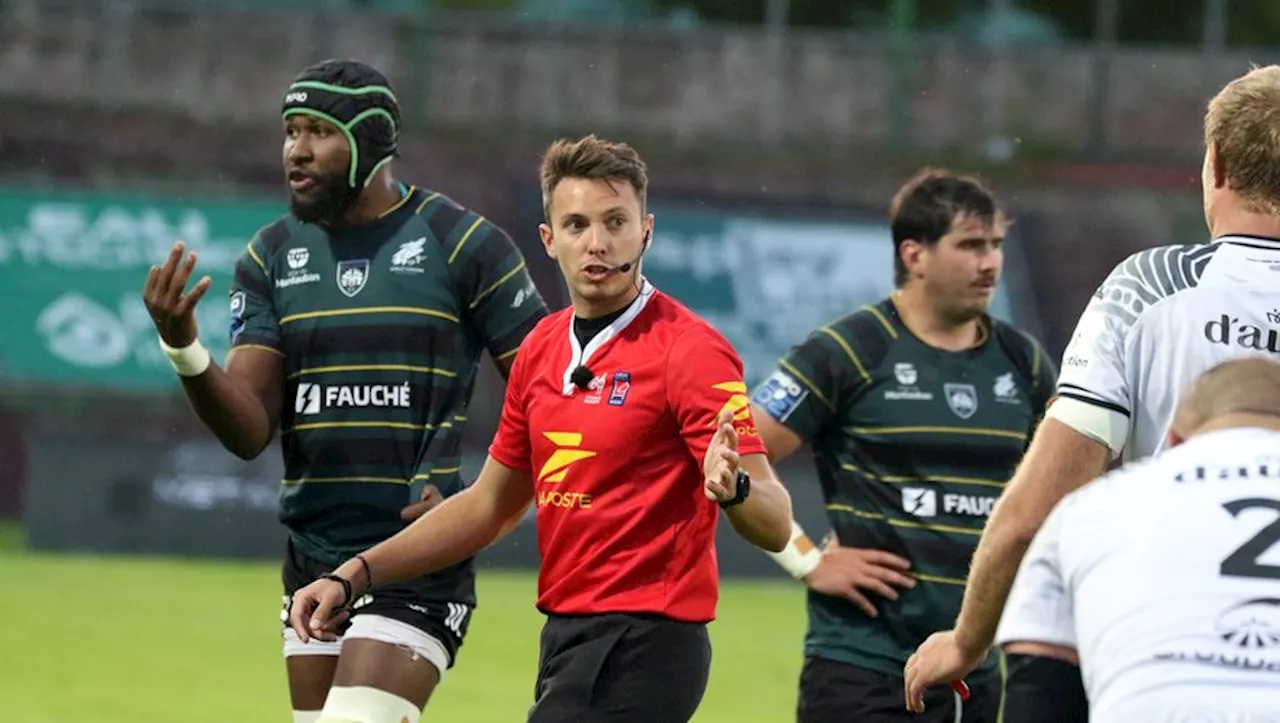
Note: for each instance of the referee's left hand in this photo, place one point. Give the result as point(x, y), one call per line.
point(720, 465)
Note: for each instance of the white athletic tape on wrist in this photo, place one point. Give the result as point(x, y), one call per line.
point(796, 562)
point(1097, 423)
point(189, 361)
point(362, 704)
point(306, 716)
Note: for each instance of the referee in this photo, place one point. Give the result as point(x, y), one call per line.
point(627, 421)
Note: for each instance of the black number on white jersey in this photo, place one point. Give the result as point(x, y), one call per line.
point(1244, 561)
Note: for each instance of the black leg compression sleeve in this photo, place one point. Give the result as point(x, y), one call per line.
point(1043, 690)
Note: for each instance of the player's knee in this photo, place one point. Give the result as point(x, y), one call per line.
point(362, 704)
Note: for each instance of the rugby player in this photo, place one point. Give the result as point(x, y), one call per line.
point(357, 324)
point(1162, 317)
point(627, 420)
point(1175, 609)
point(916, 409)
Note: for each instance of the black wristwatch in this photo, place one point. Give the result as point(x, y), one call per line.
point(744, 489)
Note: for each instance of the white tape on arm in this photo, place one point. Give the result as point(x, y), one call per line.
point(189, 361)
point(801, 556)
point(1095, 422)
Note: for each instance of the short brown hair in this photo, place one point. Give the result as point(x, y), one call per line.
point(1243, 125)
point(927, 204)
point(593, 158)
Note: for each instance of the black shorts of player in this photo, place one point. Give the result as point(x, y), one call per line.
point(1043, 690)
point(834, 691)
point(620, 668)
point(404, 602)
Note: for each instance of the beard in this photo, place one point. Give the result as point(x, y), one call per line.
point(327, 201)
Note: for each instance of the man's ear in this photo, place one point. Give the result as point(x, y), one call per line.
point(910, 252)
point(544, 233)
point(1217, 168)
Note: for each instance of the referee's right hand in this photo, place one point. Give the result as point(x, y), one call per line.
point(172, 311)
point(849, 571)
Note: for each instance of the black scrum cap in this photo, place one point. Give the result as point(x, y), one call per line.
point(356, 98)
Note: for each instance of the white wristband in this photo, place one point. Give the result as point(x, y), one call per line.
point(797, 563)
point(189, 361)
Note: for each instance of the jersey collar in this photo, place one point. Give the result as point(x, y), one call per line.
point(1244, 239)
point(581, 355)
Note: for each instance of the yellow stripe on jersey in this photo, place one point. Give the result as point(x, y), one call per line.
point(439, 471)
point(256, 259)
point(958, 431)
point(425, 201)
point(263, 347)
point(938, 578)
point(838, 507)
point(314, 480)
point(813, 388)
point(494, 286)
point(367, 425)
point(857, 363)
point(899, 479)
point(373, 368)
point(883, 321)
point(395, 206)
point(465, 236)
point(371, 310)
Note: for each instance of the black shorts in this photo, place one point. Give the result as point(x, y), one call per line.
point(832, 691)
point(1043, 690)
point(403, 602)
point(620, 668)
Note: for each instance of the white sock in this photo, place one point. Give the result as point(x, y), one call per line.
point(306, 716)
point(363, 704)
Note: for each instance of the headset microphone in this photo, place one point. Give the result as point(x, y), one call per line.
point(624, 268)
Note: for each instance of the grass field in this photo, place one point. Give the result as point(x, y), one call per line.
point(142, 640)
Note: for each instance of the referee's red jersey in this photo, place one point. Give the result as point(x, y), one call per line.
point(623, 524)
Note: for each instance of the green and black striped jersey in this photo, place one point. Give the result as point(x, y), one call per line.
point(381, 328)
point(912, 445)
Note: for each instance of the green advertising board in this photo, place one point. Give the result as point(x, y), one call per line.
point(72, 268)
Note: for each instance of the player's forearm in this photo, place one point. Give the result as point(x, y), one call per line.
point(1058, 462)
point(764, 518)
point(235, 415)
point(995, 565)
point(512, 523)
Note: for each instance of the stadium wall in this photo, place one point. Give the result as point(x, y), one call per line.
point(810, 88)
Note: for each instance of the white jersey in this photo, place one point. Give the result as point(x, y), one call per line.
point(1163, 317)
point(1177, 604)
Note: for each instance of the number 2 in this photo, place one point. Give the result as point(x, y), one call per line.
point(1244, 561)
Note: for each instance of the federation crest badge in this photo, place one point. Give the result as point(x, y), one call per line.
point(962, 398)
point(352, 276)
point(621, 388)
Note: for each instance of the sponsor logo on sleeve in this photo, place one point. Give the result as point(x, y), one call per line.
point(780, 395)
